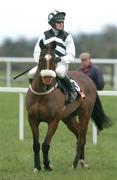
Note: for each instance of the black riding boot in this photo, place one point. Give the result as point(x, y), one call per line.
point(71, 89)
point(30, 80)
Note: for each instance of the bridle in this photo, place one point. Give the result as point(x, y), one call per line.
point(46, 68)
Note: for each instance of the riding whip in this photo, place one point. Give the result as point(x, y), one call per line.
point(21, 73)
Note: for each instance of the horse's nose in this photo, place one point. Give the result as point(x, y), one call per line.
point(47, 80)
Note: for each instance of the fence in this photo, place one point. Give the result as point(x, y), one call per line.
point(10, 60)
point(21, 92)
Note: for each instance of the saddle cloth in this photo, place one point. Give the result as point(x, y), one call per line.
point(75, 85)
point(64, 89)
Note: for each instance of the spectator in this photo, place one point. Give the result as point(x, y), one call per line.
point(91, 70)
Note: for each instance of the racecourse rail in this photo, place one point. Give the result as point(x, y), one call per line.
point(10, 60)
point(22, 91)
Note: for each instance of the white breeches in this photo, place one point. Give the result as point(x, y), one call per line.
point(32, 72)
point(61, 70)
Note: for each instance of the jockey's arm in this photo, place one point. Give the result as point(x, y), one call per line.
point(37, 49)
point(70, 50)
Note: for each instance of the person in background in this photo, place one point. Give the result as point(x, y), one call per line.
point(64, 51)
point(91, 70)
point(94, 72)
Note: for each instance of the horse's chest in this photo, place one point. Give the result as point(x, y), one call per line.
point(44, 112)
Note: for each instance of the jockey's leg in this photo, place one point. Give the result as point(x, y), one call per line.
point(61, 71)
point(78, 89)
point(31, 74)
point(71, 88)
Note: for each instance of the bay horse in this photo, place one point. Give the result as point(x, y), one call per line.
point(45, 102)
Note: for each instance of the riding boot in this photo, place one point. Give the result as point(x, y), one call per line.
point(71, 89)
point(30, 80)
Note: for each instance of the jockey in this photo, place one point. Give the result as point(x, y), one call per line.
point(64, 52)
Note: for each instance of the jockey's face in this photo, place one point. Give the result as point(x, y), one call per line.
point(59, 25)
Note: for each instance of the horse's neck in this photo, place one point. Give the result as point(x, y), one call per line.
point(37, 82)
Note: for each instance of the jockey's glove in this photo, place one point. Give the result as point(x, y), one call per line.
point(58, 59)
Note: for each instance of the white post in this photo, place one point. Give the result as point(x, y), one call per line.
point(115, 77)
point(8, 74)
point(21, 116)
point(94, 134)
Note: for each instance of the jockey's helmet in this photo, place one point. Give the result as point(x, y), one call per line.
point(56, 16)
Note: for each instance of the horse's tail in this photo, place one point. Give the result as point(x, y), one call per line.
point(99, 117)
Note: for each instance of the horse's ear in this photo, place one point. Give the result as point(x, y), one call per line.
point(51, 45)
point(41, 44)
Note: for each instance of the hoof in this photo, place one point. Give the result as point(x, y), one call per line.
point(48, 168)
point(73, 167)
point(84, 164)
point(36, 170)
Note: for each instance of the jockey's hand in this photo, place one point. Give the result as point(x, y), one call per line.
point(58, 59)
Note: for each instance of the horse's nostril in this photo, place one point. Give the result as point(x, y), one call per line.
point(47, 77)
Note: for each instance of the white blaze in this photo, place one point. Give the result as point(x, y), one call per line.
point(48, 56)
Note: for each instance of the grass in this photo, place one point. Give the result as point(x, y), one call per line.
point(16, 157)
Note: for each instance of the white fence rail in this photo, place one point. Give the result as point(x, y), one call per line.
point(10, 60)
point(21, 92)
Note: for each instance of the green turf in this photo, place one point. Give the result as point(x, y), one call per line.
point(16, 157)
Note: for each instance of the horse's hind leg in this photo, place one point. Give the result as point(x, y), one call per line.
point(36, 144)
point(75, 127)
point(72, 125)
point(80, 157)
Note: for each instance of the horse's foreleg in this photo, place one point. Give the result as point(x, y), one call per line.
point(36, 144)
point(36, 149)
point(52, 126)
point(45, 150)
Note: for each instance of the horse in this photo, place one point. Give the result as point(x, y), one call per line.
point(45, 102)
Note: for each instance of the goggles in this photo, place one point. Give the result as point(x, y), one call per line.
point(59, 22)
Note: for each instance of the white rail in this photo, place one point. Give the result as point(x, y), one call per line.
point(10, 60)
point(21, 92)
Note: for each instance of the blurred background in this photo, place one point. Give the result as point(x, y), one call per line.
point(93, 26)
